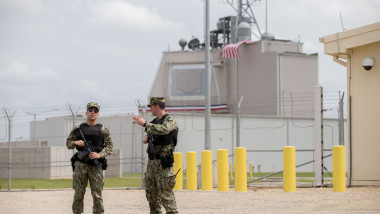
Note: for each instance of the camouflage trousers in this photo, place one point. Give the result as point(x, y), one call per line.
point(83, 174)
point(159, 184)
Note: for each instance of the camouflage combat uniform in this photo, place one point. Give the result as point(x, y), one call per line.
point(159, 182)
point(85, 173)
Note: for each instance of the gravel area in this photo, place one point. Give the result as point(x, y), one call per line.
point(255, 200)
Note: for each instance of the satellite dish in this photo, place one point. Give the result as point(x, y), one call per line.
point(194, 44)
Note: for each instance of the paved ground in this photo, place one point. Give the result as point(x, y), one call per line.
point(255, 200)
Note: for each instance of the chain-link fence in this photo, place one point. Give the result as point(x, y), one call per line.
point(43, 155)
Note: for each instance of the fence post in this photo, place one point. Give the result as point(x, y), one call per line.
point(178, 168)
point(10, 118)
point(231, 171)
point(250, 171)
point(341, 120)
point(238, 106)
point(318, 130)
point(222, 166)
point(142, 145)
point(206, 170)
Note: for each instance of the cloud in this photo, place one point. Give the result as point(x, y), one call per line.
point(23, 6)
point(25, 85)
point(127, 15)
point(21, 83)
point(91, 87)
point(21, 73)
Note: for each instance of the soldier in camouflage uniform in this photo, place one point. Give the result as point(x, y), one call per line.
point(85, 170)
point(159, 178)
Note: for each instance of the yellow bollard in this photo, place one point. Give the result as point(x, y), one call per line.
point(289, 169)
point(250, 171)
point(222, 168)
point(231, 175)
point(240, 169)
point(206, 170)
point(191, 171)
point(178, 166)
point(339, 169)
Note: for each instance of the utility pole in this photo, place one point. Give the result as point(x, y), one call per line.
point(10, 117)
point(318, 130)
point(208, 78)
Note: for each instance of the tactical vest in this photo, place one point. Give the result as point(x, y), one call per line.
point(164, 140)
point(93, 134)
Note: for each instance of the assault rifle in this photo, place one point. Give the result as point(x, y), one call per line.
point(88, 148)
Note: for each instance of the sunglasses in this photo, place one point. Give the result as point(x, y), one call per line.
point(95, 110)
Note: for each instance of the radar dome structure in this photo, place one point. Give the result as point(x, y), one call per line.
point(182, 42)
point(267, 36)
point(244, 31)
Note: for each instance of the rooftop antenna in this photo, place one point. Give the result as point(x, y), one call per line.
point(244, 9)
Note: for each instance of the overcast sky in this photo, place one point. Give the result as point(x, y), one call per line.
point(55, 52)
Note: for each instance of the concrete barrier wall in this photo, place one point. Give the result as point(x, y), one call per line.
point(32, 162)
point(114, 165)
point(60, 162)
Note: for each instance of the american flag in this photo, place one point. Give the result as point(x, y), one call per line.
point(232, 50)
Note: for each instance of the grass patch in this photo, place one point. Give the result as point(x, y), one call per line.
point(36, 183)
point(298, 174)
point(128, 180)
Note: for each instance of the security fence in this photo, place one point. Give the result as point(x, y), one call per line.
point(264, 137)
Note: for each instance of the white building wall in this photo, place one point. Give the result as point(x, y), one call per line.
point(257, 134)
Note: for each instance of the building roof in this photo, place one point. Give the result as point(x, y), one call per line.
point(339, 43)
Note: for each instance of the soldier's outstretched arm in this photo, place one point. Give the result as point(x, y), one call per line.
point(169, 125)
